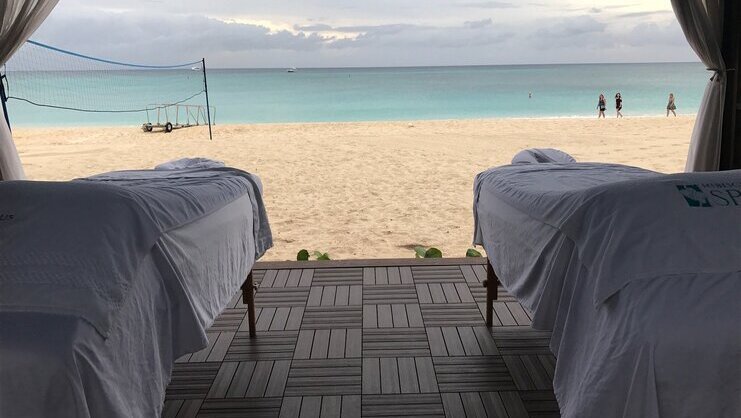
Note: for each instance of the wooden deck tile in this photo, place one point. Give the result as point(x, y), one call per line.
point(307, 276)
point(428, 405)
point(190, 408)
point(392, 316)
point(437, 274)
point(340, 276)
point(281, 278)
point(453, 405)
point(294, 278)
point(342, 295)
point(472, 374)
point(323, 317)
point(387, 276)
point(388, 294)
point(493, 404)
point(388, 375)
point(521, 340)
point(201, 355)
point(229, 320)
point(241, 379)
point(192, 380)
point(260, 407)
point(513, 404)
point(389, 370)
point(479, 293)
point(171, 408)
point(458, 314)
point(540, 403)
point(268, 278)
point(268, 345)
point(395, 342)
point(324, 377)
point(460, 341)
point(288, 296)
point(470, 276)
point(347, 406)
point(223, 379)
point(381, 340)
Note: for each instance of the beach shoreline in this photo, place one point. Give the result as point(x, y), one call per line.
point(361, 189)
point(492, 118)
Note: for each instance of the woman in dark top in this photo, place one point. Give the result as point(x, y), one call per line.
point(619, 104)
point(671, 106)
point(601, 106)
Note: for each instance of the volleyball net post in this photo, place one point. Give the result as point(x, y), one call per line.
point(3, 99)
point(208, 107)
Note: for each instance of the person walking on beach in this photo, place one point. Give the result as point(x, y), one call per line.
point(618, 105)
point(671, 107)
point(601, 106)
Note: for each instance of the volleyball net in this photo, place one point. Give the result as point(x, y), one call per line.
point(45, 76)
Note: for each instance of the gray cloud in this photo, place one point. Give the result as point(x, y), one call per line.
point(378, 33)
point(655, 34)
point(312, 28)
point(645, 14)
point(571, 28)
point(489, 5)
point(478, 24)
point(135, 37)
point(478, 33)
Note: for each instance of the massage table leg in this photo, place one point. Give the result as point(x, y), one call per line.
point(248, 298)
point(491, 283)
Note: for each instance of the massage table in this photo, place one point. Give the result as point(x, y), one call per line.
point(637, 275)
point(106, 280)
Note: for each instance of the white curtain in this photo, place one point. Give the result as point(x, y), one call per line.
point(18, 20)
point(702, 23)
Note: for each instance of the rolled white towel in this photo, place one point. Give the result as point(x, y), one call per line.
point(542, 155)
point(185, 163)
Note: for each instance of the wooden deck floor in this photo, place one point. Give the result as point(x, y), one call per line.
point(351, 340)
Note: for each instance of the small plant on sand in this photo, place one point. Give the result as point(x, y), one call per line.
point(473, 253)
point(303, 255)
point(422, 252)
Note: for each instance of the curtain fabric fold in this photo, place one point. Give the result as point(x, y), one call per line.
point(18, 20)
point(702, 23)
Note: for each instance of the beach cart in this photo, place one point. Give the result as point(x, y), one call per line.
point(167, 117)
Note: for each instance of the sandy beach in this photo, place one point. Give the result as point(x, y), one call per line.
point(361, 189)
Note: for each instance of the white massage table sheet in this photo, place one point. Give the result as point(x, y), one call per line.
point(633, 280)
point(64, 364)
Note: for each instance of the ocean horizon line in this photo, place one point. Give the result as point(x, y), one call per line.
point(392, 67)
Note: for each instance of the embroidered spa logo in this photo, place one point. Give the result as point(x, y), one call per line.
point(708, 195)
point(694, 195)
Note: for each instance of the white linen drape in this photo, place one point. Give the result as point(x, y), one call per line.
point(18, 20)
point(702, 23)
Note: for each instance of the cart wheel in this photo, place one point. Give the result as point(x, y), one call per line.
point(168, 127)
point(147, 127)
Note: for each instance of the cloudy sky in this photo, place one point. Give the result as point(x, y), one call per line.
point(340, 33)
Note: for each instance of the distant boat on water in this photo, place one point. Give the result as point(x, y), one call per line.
point(291, 70)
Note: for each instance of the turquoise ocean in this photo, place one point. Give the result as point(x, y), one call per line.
point(365, 94)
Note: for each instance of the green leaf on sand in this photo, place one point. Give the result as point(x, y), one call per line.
point(419, 251)
point(472, 253)
point(302, 255)
point(433, 253)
